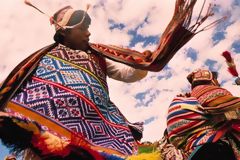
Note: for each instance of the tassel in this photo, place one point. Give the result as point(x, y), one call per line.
point(52, 21)
point(87, 7)
point(201, 19)
point(227, 56)
point(31, 5)
point(27, 2)
point(232, 70)
point(230, 62)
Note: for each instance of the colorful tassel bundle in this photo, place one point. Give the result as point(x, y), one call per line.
point(230, 62)
point(231, 66)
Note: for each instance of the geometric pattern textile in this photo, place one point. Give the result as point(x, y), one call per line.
point(77, 100)
point(90, 61)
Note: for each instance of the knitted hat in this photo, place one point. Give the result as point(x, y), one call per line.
point(67, 17)
point(201, 75)
point(62, 17)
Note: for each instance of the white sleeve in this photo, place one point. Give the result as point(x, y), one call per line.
point(122, 72)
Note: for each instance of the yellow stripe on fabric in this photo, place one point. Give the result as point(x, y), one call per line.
point(74, 65)
point(221, 100)
point(57, 128)
point(154, 155)
point(196, 108)
point(223, 108)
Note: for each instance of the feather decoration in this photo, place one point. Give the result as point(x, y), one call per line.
point(87, 7)
point(27, 2)
point(52, 21)
point(230, 62)
point(227, 56)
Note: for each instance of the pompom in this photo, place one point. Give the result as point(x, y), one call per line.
point(227, 56)
point(230, 62)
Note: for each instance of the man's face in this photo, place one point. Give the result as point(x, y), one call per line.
point(78, 37)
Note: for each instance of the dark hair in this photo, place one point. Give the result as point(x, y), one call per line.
point(75, 18)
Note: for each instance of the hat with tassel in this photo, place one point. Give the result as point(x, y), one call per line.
point(66, 17)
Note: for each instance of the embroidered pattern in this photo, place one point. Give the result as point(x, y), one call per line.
point(76, 99)
point(81, 58)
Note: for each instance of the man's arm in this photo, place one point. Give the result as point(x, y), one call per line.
point(123, 72)
point(177, 34)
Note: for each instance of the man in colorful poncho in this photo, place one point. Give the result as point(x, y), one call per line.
point(205, 124)
point(57, 99)
point(66, 100)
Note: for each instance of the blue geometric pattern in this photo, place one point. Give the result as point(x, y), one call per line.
point(59, 72)
point(75, 114)
point(71, 89)
point(92, 62)
point(62, 73)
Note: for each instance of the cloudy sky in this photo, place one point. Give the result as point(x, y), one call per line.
point(132, 23)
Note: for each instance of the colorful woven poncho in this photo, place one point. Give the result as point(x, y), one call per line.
point(65, 102)
point(214, 99)
point(189, 126)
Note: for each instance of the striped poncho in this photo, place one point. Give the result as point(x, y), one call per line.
point(214, 99)
point(190, 126)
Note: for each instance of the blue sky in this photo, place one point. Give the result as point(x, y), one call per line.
point(138, 26)
point(3, 152)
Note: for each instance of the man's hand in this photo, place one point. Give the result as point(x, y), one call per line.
point(184, 95)
point(148, 55)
